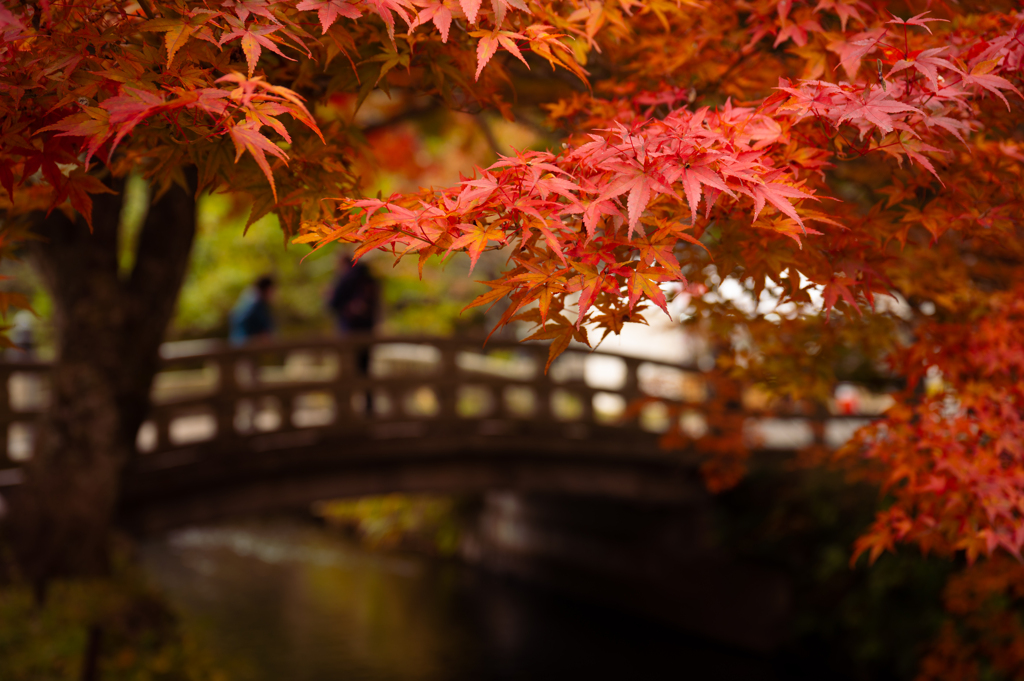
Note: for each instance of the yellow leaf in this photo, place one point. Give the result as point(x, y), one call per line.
point(985, 67)
point(174, 39)
point(252, 51)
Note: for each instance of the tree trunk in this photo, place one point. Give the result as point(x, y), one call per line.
point(108, 334)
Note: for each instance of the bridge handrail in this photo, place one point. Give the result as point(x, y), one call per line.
point(178, 350)
point(238, 385)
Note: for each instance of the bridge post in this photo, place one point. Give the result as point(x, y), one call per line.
point(162, 424)
point(447, 383)
point(631, 387)
point(818, 423)
point(543, 388)
point(287, 404)
point(5, 415)
point(341, 386)
point(587, 402)
point(226, 400)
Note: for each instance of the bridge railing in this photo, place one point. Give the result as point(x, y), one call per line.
point(210, 394)
point(436, 384)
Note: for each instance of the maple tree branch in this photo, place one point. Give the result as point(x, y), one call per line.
point(412, 113)
point(147, 8)
point(492, 142)
point(715, 84)
point(524, 118)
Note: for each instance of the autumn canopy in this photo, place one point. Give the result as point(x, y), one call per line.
point(855, 165)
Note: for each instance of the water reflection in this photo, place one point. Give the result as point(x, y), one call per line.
point(291, 602)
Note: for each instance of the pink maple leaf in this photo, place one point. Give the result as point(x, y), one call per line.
point(856, 48)
point(128, 109)
point(247, 137)
point(489, 43)
point(845, 10)
point(501, 6)
point(927, 63)
point(438, 12)
point(695, 176)
point(982, 77)
point(916, 20)
point(386, 10)
point(875, 107)
point(797, 32)
point(329, 10)
point(254, 39)
point(471, 8)
point(777, 194)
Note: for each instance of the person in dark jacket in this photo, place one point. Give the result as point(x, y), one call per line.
point(353, 300)
point(354, 296)
point(251, 317)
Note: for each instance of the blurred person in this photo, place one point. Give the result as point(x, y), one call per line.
point(353, 296)
point(353, 300)
point(23, 335)
point(847, 399)
point(251, 318)
point(24, 387)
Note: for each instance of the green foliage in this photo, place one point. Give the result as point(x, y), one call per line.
point(137, 196)
point(227, 258)
point(432, 304)
point(224, 263)
point(140, 639)
point(398, 520)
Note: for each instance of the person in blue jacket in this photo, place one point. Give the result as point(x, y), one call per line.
point(251, 317)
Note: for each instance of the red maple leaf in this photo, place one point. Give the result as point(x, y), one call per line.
point(254, 39)
point(328, 11)
point(439, 13)
point(916, 20)
point(981, 76)
point(128, 109)
point(386, 10)
point(926, 62)
point(853, 49)
point(876, 107)
point(489, 43)
point(247, 137)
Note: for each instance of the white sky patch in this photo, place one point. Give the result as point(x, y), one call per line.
point(894, 304)
point(740, 294)
point(661, 339)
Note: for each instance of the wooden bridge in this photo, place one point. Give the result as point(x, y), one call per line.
point(277, 425)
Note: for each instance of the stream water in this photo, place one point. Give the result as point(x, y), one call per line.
point(285, 601)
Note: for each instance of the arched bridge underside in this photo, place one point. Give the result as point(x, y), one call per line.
point(273, 426)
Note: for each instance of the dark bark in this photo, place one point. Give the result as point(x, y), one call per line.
point(91, 659)
point(108, 334)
